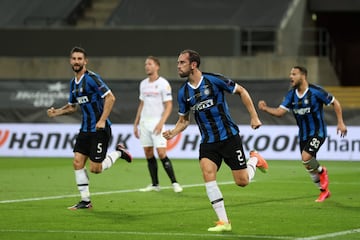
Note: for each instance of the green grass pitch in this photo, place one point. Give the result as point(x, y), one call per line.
point(35, 194)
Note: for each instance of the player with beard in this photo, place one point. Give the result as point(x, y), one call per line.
point(204, 94)
point(306, 102)
point(96, 101)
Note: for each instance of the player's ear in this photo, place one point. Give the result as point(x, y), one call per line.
point(193, 65)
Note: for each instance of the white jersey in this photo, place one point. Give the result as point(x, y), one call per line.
point(154, 94)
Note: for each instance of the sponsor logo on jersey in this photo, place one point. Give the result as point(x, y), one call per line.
point(203, 105)
point(82, 100)
point(302, 111)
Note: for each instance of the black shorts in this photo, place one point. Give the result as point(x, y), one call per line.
point(312, 145)
point(231, 150)
point(93, 144)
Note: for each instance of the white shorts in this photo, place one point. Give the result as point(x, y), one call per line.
point(147, 136)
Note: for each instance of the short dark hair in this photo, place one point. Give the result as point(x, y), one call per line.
point(78, 49)
point(155, 59)
point(193, 56)
point(302, 69)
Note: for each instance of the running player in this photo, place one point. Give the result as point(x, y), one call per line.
point(96, 101)
point(306, 103)
point(203, 94)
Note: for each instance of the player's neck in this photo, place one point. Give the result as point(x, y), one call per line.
point(79, 74)
point(302, 87)
point(195, 77)
point(153, 77)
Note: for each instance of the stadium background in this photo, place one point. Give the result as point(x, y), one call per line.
point(254, 42)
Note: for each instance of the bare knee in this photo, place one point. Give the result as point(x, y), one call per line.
point(208, 169)
point(241, 177)
point(79, 162)
point(95, 167)
point(96, 171)
point(209, 176)
point(242, 182)
point(149, 152)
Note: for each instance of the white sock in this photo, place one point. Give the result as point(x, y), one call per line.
point(251, 167)
point(110, 159)
point(217, 201)
point(82, 181)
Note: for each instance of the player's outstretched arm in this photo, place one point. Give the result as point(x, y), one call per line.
point(277, 112)
point(180, 126)
point(54, 112)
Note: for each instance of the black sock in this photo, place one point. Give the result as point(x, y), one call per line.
point(169, 169)
point(153, 169)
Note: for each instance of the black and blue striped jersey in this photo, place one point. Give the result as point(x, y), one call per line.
point(308, 110)
point(207, 101)
point(89, 93)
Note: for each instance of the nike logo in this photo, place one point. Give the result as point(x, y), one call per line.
point(196, 95)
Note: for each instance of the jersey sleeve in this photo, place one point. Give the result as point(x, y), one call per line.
point(141, 96)
point(286, 103)
point(324, 96)
point(184, 107)
point(72, 99)
point(99, 85)
point(166, 91)
point(223, 82)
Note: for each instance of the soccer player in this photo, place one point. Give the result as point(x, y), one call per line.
point(154, 109)
point(96, 101)
point(203, 94)
point(306, 103)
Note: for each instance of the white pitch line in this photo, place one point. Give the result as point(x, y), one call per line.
point(96, 193)
point(169, 234)
point(331, 235)
point(174, 234)
point(123, 191)
point(324, 236)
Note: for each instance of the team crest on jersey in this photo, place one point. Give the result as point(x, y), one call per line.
point(206, 90)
